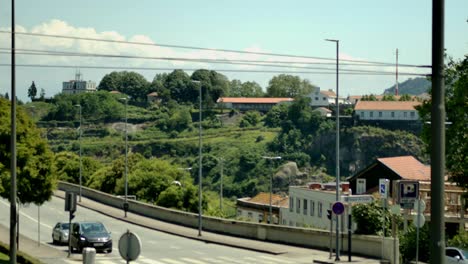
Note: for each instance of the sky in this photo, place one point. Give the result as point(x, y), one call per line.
point(368, 30)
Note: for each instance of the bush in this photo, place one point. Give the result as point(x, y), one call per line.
point(408, 244)
point(460, 240)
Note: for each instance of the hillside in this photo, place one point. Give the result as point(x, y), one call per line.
point(411, 86)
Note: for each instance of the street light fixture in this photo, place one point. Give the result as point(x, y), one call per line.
point(270, 217)
point(81, 164)
point(126, 158)
point(337, 145)
point(199, 158)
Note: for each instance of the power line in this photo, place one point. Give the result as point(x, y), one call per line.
point(199, 48)
point(195, 69)
point(78, 54)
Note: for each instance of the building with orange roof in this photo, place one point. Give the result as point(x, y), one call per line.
point(262, 104)
point(324, 98)
point(387, 110)
point(257, 208)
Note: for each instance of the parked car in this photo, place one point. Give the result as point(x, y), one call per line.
point(60, 233)
point(455, 255)
point(90, 234)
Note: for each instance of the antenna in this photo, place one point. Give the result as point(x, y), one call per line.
point(396, 86)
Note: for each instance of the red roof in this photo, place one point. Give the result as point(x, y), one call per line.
point(328, 93)
point(408, 167)
point(254, 100)
point(264, 199)
point(386, 105)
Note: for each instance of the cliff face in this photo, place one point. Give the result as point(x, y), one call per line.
point(360, 146)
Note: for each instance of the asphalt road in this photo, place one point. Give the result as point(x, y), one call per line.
point(157, 247)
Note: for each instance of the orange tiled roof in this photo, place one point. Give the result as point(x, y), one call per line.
point(328, 93)
point(264, 199)
point(254, 100)
point(407, 167)
point(152, 94)
point(386, 105)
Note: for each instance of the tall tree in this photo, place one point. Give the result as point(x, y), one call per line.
point(32, 91)
point(130, 83)
point(214, 85)
point(35, 171)
point(246, 89)
point(285, 85)
point(456, 98)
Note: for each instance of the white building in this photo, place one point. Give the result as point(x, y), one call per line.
point(308, 205)
point(387, 110)
point(257, 208)
point(78, 86)
point(324, 98)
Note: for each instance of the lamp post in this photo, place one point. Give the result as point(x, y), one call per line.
point(199, 158)
point(270, 217)
point(126, 158)
point(337, 257)
point(81, 165)
point(221, 161)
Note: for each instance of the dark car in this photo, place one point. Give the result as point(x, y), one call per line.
point(90, 234)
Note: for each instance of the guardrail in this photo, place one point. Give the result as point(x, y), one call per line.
point(306, 237)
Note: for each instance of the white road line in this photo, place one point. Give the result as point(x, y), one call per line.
point(280, 260)
point(232, 260)
point(213, 260)
point(172, 261)
point(27, 216)
point(193, 261)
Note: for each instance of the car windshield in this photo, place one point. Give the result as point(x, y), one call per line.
point(94, 228)
point(465, 253)
point(65, 226)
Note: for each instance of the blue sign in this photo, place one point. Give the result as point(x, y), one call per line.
point(338, 208)
point(382, 188)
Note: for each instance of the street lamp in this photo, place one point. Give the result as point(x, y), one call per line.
point(221, 161)
point(270, 217)
point(199, 158)
point(81, 165)
point(337, 146)
point(126, 158)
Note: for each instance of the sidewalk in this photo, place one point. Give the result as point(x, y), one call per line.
point(317, 256)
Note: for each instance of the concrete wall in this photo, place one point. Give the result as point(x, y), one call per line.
point(312, 238)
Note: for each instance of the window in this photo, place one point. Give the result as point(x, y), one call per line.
point(380, 114)
point(249, 215)
point(291, 204)
point(260, 218)
point(412, 114)
point(305, 207)
point(405, 114)
point(362, 114)
point(371, 114)
point(291, 223)
point(298, 205)
point(284, 221)
point(319, 209)
point(392, 114)
point(316, 98)
point(312, 207)
point(324, 98)
point(239, 212)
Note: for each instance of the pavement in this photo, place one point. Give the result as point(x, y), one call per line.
point(49, 254)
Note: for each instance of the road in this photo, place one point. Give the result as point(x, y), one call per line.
point(157, 247)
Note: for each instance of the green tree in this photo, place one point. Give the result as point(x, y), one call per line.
point(369, 219)
point(405, 97)
point(42, 95)
point(214, 85)
point(456, 98)
point(181, 87)
point(251, 118)
point(130, 83)
point(246, 89)
point(32, 91)
point(388, 97)
point(370, 97)
point(285, 85)
point(276, 115)
point(35, 170)
point(408, 244)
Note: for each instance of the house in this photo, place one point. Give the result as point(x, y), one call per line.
point(387, 110)
point(258, 208)
point(324, 98)
point(409, 168)
point(262, 104)
point(78, 86)
point(308, 205)
point(153, 98)
point(324, 111)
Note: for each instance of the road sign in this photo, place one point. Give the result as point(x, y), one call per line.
point(408, 191)
point(358, 199)
point(129, 246)
point(419, 221)
point(383, 188)
point(422, 206)
point(338, 208)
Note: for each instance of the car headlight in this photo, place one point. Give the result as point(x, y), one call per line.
point(83, 238)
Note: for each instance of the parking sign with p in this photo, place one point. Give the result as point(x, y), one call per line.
point(408, 191)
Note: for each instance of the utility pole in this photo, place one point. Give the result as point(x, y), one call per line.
point(396, 85)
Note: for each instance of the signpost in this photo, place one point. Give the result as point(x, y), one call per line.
point(383, 190)
point(129, 246)
point(358, 199)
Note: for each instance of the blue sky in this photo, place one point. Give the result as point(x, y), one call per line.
point(367, 30)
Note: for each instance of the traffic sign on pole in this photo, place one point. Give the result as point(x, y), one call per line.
point(338, 208)
point(383, 188)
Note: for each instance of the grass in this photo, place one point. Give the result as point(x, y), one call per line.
point(4, 259)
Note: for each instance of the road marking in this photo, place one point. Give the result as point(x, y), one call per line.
point(231, 260)
point(193, 261)
point(27, 216)
point(280, 260)
point(213, 260)
point(172, 261)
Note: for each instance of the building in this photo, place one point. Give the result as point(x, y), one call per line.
point(257, 209)
point(324, 98)
point(387, 110)
point(324, 111)
point(153, 98)
point(410, 169)
point(308, 205)
point(78, 85)
point(262, 104)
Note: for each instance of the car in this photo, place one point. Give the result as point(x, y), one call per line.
point(456, 255)
point(90, 234)
point(60, 233)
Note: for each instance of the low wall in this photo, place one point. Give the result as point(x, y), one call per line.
point(312, 238)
